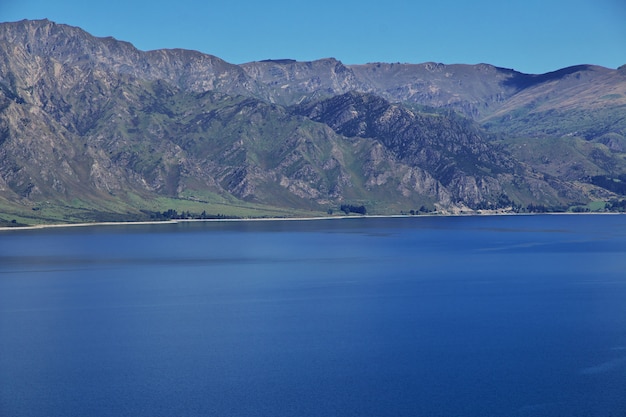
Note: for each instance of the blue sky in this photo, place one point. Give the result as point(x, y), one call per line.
point(532, 36)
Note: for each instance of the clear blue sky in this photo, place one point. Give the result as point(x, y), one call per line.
point(532, 36)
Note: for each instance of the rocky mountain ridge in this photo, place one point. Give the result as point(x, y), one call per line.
point(93, 125)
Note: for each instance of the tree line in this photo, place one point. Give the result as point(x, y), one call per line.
point(172, 214)
point(349, 208)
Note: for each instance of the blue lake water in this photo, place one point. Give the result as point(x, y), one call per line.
point(425, 316)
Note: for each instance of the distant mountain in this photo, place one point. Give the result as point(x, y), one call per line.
point(584, 101)
point(92, 128)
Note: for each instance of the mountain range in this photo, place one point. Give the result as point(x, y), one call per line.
point(95, 129)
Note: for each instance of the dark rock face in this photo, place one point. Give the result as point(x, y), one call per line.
point(96, 119)
point(451, 149)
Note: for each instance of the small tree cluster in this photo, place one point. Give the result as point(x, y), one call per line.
point(349, 208)
point(536, 208)
point(617, 185)
point(422, 209)
point(616, 205)
point(540, 208)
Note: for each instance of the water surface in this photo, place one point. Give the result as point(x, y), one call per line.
point(461, 316)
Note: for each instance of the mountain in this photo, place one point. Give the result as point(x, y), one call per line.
point(585, 101)
point(292, 82)
point(94, 129)
point(452, 150)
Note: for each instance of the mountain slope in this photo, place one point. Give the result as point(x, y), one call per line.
point(450, 148)
point(71, 46)
point(472, 90)
point(92, 128)
point(585, 101)
point(293, 82)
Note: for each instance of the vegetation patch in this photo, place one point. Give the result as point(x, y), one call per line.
point(615, 184)
point(349, 208)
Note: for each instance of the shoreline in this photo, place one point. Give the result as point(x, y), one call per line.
point(261, 219)
point(176, 221)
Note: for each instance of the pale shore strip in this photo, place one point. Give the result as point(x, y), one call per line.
point(176, 221)
point(262, 219)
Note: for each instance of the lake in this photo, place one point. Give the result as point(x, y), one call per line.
point(421, 316)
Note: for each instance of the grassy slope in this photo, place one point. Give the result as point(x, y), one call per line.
point(570, 158)
point(591, 124)
point(136, 208)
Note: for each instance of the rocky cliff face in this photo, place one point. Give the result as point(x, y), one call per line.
point(95, 122)
point(73, 47)
point(451, 149)
point(293, 82)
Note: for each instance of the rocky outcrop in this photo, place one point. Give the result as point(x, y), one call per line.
point(293, 82)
